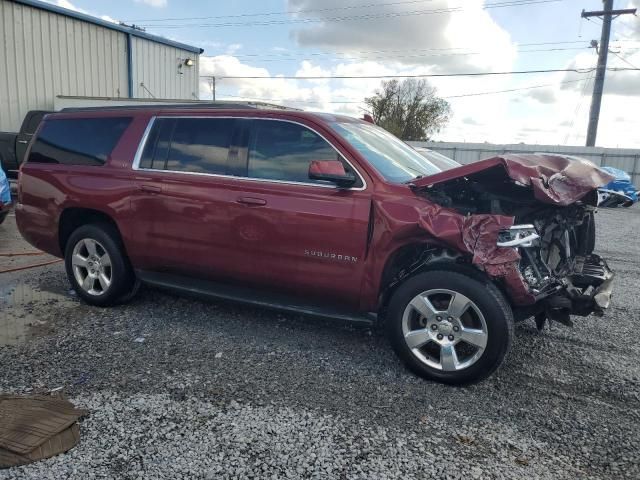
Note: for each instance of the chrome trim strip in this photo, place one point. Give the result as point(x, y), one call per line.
point(143, 142)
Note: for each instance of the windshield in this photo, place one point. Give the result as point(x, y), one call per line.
point(439, 160)
point(395, 160)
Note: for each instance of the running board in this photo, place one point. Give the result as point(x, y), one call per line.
point(213, 290)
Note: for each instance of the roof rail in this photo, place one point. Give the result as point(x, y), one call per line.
point(184, 106)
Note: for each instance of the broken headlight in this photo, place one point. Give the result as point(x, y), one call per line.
point(518, 236)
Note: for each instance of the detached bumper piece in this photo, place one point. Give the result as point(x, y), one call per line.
point(587, 289)
point(591, 285)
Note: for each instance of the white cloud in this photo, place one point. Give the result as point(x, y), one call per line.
point(417, 38)
point(70, 6)
point(233, 48)
point(543, 95)
point(554, 114)
point(154, 3)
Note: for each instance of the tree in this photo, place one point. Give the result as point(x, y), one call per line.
point(410, 110)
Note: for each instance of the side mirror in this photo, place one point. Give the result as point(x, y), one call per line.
point(331, 171)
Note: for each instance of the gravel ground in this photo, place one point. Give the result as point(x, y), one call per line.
point(181, 388)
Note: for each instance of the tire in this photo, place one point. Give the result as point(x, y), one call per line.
point(3, 216)
point(453, 348)
point(115, 267)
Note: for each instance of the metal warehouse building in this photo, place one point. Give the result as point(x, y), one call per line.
point(47, 51)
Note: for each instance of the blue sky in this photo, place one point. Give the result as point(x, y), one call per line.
point(408, 37)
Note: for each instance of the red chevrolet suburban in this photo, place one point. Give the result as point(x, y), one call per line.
point(321, 214)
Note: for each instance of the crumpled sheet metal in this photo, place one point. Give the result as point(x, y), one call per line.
point(555, 179)
point(477, 235)
point(35, 427)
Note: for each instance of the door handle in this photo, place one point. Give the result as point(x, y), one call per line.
point(150, 188)
point(251, 201)
point(23, 141)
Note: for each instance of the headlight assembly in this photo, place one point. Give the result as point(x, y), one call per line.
point(518, 236)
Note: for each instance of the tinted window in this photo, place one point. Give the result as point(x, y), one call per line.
point(78, 141)
point(283, 151)
point(200, 145)
point(156, 148)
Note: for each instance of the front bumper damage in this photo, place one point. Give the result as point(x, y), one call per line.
point(584, 287)
point(527, 222)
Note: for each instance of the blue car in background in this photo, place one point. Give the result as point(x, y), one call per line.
point(619, 191)
point(5, 196)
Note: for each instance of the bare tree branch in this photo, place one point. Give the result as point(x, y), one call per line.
point(411, 110)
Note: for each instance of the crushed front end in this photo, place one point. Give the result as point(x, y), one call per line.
point(558, 265)
point(528, 222)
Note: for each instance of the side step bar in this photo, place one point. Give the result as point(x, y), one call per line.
point(213, 290)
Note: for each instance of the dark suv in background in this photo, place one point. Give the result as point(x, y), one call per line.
point(321, 214)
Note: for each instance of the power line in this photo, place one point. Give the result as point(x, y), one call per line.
point(287, 12)
point(425, 75)
point(532, 87)
point(417, 56)
point(346, 56)
point(585, 87)
point(371, 16)
point(623, 59)
point(390, 51)
point(292, 100)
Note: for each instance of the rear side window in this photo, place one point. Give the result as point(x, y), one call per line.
point(198, 145)
point(78, 141)
point(283, 151)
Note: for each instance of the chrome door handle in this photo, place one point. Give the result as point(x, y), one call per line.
point(150, 188)
point(257, 202)
point(23, 141)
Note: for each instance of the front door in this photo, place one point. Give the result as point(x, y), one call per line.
point(298, 235)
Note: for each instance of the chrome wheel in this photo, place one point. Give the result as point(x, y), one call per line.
point(444, 329)
point(91, 267)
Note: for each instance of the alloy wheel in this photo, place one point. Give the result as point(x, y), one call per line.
point(92, 266)
point(444, 329)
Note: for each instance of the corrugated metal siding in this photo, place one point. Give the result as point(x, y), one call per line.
point(156, 66)
point(44, 54)
point(626, 159)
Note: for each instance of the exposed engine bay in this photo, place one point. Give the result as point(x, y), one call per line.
point(554, 242)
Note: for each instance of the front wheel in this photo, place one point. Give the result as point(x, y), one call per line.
point(450, 327)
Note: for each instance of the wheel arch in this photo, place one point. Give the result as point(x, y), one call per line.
point(412, 259)
point(73, 217)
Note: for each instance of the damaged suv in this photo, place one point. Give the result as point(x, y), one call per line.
point(320, 214)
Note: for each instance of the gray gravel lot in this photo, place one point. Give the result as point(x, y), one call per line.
point(182, 388)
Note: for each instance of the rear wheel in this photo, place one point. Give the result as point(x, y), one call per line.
point(450, 327)
point(96, 265)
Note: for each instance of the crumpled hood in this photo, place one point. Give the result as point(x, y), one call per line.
point(555, 179)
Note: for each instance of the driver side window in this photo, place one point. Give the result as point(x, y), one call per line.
point(283, 151)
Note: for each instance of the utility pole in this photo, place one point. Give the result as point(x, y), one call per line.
point(596, 99)
point(212, 85)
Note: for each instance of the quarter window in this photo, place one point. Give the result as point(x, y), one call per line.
point(78, 141)
point(283, 151)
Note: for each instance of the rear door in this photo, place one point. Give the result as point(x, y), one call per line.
point(295, 234)
point(183, 199)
